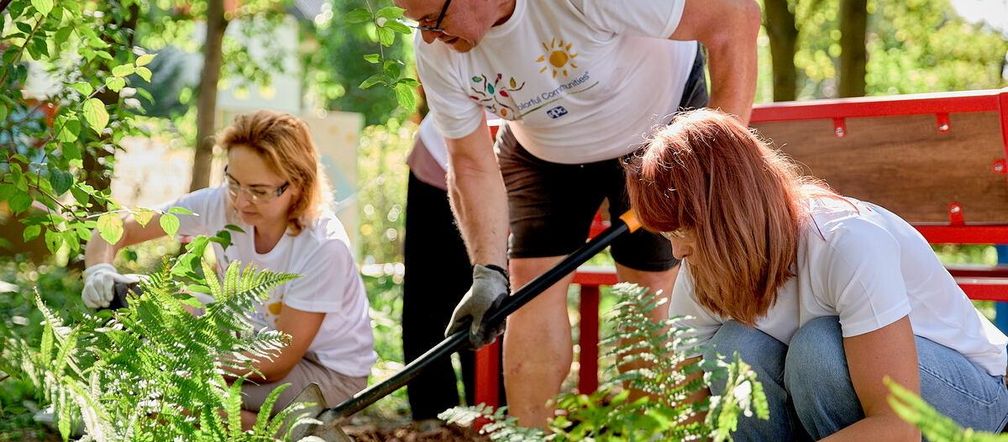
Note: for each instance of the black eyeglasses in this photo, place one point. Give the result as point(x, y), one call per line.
point(256, 194)
point(437, 23)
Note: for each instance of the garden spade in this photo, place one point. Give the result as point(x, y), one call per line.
point(330, 418)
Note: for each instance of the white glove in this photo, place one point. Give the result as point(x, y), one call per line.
point(99, 284)
point(489, 289)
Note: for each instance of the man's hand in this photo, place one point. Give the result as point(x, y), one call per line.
point(99, 284)
point(489, 289)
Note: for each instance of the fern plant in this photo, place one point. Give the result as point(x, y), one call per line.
point(934, 426)
point(669, 378)
point(152, 371)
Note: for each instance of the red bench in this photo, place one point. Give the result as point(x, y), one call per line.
point(938, 160)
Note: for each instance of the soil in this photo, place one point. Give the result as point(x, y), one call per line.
point(424, 431)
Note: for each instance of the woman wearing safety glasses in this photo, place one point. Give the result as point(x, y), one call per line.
point(276, 191)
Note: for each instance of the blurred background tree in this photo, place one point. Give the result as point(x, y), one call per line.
point(816, 49)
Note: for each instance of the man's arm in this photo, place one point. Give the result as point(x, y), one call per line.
point(728, 29)
point(478, 197)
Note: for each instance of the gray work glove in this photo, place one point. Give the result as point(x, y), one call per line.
point(99, 284)
point(489, 289)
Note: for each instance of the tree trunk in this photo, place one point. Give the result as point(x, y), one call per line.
point(780, 27)
point(206, 104)
point(853, 53)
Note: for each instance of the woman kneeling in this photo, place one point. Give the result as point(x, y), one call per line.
point(824, 295)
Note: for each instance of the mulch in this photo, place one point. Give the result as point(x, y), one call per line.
point(426, 431)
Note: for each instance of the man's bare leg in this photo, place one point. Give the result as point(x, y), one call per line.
point(655, 281)
point(537, 345)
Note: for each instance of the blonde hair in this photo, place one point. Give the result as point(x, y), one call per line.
point(708, 174)
point(285, 143)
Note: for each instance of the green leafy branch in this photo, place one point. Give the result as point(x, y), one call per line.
point(388, 23)
point(48, 138)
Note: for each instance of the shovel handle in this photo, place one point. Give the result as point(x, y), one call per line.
point(459, 340)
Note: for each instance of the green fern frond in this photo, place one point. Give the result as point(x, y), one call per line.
point(934, 426)
point(666, 414)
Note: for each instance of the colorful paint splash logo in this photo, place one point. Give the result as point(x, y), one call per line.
point(557, 58)
point(495, 95)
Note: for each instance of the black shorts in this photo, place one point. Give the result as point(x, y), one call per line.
point(551, 205)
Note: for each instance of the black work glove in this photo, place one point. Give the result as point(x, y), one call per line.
point(489, 289)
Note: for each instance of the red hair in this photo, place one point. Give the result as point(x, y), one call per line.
point(709, 175)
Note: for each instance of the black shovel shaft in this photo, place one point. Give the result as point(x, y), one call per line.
point(460, 339)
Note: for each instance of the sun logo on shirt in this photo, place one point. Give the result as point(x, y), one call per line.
point(557, 57)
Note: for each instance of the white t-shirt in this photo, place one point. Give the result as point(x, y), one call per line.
point(578, 83)
point(868, 266)
point(329, 281)
point(433, 141)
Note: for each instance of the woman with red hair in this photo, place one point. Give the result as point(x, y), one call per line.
point(824, 295)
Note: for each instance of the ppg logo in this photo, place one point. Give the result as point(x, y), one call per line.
point(556, 112)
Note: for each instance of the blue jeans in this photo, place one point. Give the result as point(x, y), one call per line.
point(809, 390)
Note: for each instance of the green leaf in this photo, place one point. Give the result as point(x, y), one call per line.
point(389, 12)
point(170, 224)
point(144, 73)
point(71, 151)
point(198, 288)
point(53, 241)
point(223, 238)
point(115, 83)
point(95, 114)
point(31, 232)
point(3, 112)
point(372, 58)
point(110, 227)
point(61, 181)
point(358, 16)
point(179, 210)
point(43, 6)
point(143, 216)
point(62, 34)
point(396, 26)
point(409, 81)
point(373, 80)
point(234, 228)
point(20, 202)
point(80, 195)
point(144, 59)
point(392, 68)
point(69, 133)
point(123, 70)
point(85, 89)
point(385, 36)
point(404, 95)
